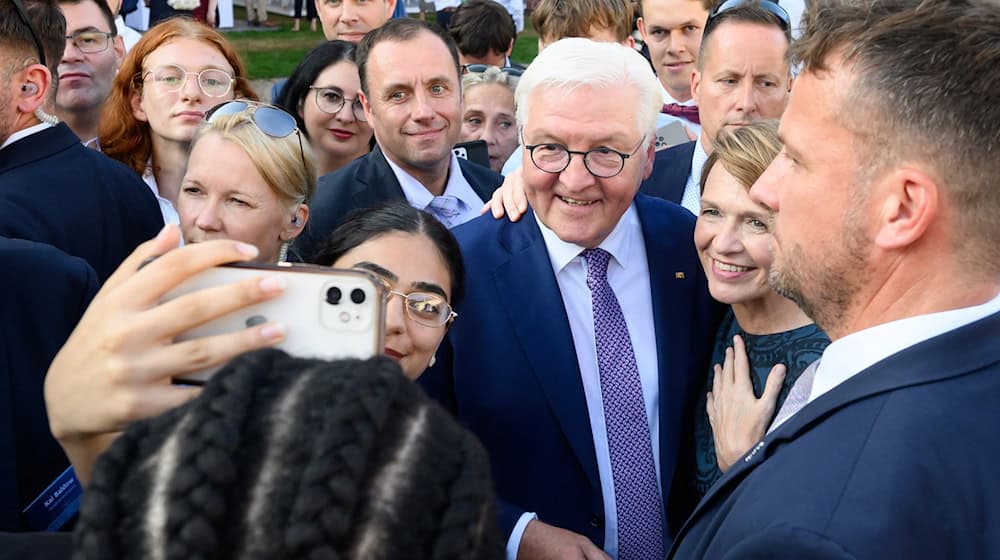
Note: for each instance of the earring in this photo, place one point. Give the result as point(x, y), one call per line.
point(433, 361)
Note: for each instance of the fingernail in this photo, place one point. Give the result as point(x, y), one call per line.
point(273, 331)
point(247, 249)
point(273, 284)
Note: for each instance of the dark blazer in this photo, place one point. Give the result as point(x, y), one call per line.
point(671, 169)
point(899, 461)
point(365, 182)
point(509, 368)
point(44, 293)
point(54, 190)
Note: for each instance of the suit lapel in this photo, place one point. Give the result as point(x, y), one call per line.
point(530, 296)
point(376, 183)
point(951, 354)
point(481, 180)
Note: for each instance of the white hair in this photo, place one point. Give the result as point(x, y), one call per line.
point(576, 62)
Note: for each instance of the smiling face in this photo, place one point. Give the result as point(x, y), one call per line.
point(349, 20)
point(340, 135)
point(176, 116)
point(489, 116)
point(744, 77)
point(409, 263)
point(85, 78)
point(414, 108)
point(233, 201)
point(579, 207)
point(672, 31)
point(732, 239)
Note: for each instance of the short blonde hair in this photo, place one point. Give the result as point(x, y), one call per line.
point(559, 19)
point(745, 152)
point(289, 171)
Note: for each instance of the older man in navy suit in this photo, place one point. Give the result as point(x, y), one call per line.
point(886, 233)
point(587, 324)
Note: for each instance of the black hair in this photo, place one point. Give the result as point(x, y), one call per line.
point(481, 26)
point(295, 90)
point(105, 10)
point(400, 29)
point(283, 457)
point(363, 225)
point(49, 25)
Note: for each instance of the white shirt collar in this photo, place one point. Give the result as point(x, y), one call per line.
point(419, 197)
point(617, 243)
point(667, 98)
point(24, 133)
point(852, 354)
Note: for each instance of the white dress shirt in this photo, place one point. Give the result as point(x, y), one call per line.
point(419, 197)
point(628, 275)
point(24, 133)
point(167, 209)
point(691, 199)
point(849, 356)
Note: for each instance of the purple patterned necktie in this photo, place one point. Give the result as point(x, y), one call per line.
point(446, 208)
point(637, 495)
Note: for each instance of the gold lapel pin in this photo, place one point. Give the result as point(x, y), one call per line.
point(679, 275)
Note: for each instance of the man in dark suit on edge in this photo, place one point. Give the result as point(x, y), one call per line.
point(886, 234)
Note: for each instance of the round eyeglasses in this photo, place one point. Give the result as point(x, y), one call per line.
point(90, 42)
point(331, 100)
point(171, 78)
point(426, 308)
point(602, 162)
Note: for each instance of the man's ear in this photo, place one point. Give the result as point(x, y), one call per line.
point(510, 49)
point(390, 8)
point(647, 167)
point(908, 207)
point(641, 24)
point(119, 51)
point(695, 85)
point(366, 105)
point(35, 82)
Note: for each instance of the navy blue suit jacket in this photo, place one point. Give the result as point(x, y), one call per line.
point(509, 368)
point(366, 182)
point(671, 169)
point(44, 293)
point(54, 190)
point(899, 461)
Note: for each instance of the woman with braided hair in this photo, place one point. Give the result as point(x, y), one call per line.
point(282, 457)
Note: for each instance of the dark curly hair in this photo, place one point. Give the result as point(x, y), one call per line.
point(285, 457)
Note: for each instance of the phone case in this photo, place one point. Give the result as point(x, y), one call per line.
point(329, 313)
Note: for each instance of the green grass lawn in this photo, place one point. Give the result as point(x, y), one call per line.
point(275, 53)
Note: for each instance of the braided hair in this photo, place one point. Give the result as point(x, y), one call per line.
point(283, 457)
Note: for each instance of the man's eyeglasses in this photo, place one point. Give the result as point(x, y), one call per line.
point(172, 78)
point(90, 42)
point(22, 13)
point(601, 162)
point(766, 5)
point(426, 308)
point(479, 68)
point(272, 121)
point(331, 100)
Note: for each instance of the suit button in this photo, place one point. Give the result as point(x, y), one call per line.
point(596, 521)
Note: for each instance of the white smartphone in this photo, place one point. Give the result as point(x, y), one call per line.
point(329, 313)
point(671, 134)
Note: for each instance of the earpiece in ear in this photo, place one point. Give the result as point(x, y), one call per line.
point(29, 88)
point(296, 221)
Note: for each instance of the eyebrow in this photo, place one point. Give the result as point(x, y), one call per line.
point(85, 29)
point(429, 287)
point(759, 213)
point(372, 267)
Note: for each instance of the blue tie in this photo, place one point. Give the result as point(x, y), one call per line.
point(446, 208)
point(637, 495)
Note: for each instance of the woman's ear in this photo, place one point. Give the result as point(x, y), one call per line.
point(296, 223)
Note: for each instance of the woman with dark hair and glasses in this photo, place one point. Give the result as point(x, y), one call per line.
point(323, 94)
point(168, 81)
point(259, 196)
point(421, 265)
point(488, 113)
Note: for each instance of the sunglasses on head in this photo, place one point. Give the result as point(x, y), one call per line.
point(272, 121)
point(772, 7)
point(22, 13)
point(479, 68)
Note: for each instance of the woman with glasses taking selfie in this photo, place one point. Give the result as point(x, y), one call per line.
point(488, 113)
point(323, 94)
point(177, 72)
point(420, 263)
point(259, 196)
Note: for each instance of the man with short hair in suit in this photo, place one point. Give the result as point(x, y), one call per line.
point(742, 76)
point(52, 188)
point(886, 234)
point(415, 110)
point(587, 324)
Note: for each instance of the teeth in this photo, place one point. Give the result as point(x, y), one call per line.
point(726, 267)
point(573, 202)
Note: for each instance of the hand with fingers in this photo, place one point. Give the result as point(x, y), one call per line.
point(509, 198)
point(118, 363)
point(739, 419)
point(541, 541)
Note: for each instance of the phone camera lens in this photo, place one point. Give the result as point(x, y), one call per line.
point(358, 295)
point(333, 295)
